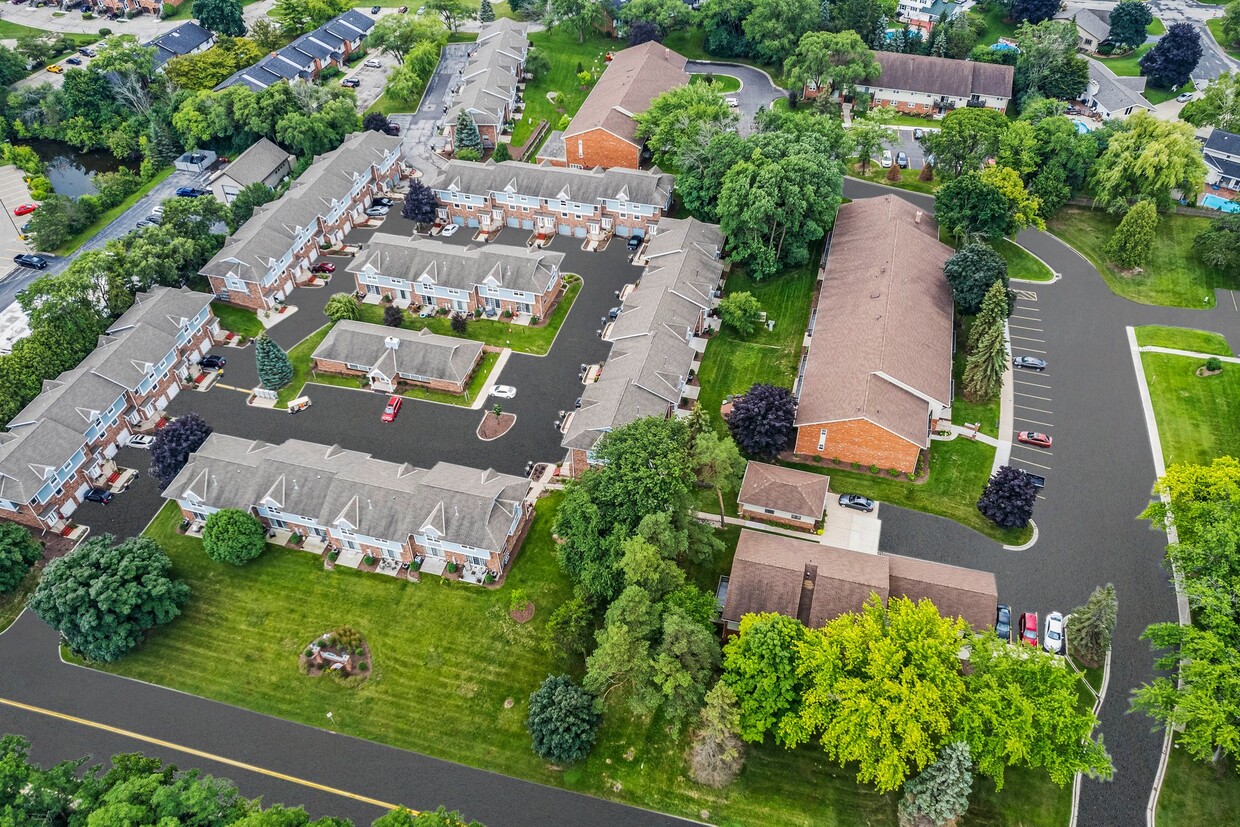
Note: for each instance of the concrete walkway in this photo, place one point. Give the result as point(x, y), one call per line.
point(1235, 360)
point(843, 529)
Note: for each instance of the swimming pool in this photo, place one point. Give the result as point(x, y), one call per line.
point(1081, 126)
point(1213, 202)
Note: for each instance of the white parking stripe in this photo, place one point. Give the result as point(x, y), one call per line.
point(1022, 327)
point(1028, 408)
point(1029, 339)
point(1032, 396)
point(1030, 350)
point(1031, 384)
point(1038, 464)
point(1034, 421)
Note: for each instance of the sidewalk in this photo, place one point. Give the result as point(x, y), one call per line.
point(1235, 360)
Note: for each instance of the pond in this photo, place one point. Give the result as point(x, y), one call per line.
point(69, 169)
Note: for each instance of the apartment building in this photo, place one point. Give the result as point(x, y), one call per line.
point(921, 85)
point(186, 39)
point(360, 505)
point(391, 356)
point(550, 200)
point(425, 272)
point(260, 264)
point(61, 444)
point(262, 163)
point(310, 53)
point(489, 87)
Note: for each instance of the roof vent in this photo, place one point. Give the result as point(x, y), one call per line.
point(391, 342)
point(917, 217)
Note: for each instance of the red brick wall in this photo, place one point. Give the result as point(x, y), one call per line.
point(859, 440)
point(775, 518)
point(342, 369)
point(540, 304)
point(600, 148)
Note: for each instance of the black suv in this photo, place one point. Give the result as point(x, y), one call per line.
point(27, 260)
point(635, 241)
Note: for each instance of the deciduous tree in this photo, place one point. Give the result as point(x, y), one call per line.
point(716, 754)
point(562, 720)
point(397, 34)
point(774, 27)
point(992, 203)
point(741, 311)
point(666, 15)
point(206, 70)
point(1174, 57)
point(681, 118)
point(717, 463)
point(723, 21)
point(1146, 158)
point(1033, 11)
point(265, 33)
point(233, 536)
point(761, 421)
point(580, 15)
point(274, 369)
point(297, 16)
point(1219, 104)
point(871, 134)
point(1133, 240)
point(828, 61)
point(1218, 245)
point(1048, 65)
point(174, 443)
point(1128, 21)
point(419, 204)
point(103, 597)
point(18, 552)
point(760, 665)
point(251, 197)
point(1009, 498)
point(965, 139)
point(971, 272)
point(644, 32)
point(219, 16)
point(1231, 23)
point(569, 632)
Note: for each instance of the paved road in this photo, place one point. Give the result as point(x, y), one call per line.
point(421, 128)
point(757, 90)
point(1100, 479)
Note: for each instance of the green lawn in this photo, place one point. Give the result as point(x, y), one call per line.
point(1130, 64)
point(237, 319)
point(299, 356)
point(1021, 264)
point(108, 217)
point(11, 604)
point(498, 333)
point(560, 46)
point(964, 411)
point(909, 179)
point(1198, 417)
point(996, 25)
point(1195, 793)
point(1183, 338)
point(721, 83)
point(476, 382)
point(913, 120)
point(1174, 275)
point(1156, 96)
point(1156, 28)
point(1216, 29)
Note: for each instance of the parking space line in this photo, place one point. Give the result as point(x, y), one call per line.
point(1040, 497)
point(1036, 464)
point(1031, 349)
point(1039, 410)
point(1022, 327)
point(1029, 339)
point(1035, 421)
point(1032, 384)
point(1033, 396)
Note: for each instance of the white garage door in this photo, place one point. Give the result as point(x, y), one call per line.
point(123, 439)
point(162, 403)
point(173, 390)
point(109, 452)
point(204, 347)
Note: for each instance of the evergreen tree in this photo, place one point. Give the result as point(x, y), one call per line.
point(996, 307)
point(717, 753)
point(274, 369)
point(486, 13)
point(985, 366)
point(1089, 628)
point(466, 136)
point(1133, 239)
point(501, 153)
point(940, 793)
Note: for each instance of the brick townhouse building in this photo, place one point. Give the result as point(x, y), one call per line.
point(489, 86)
point(62, 443)
point(549, 200)
point(494, 279)
point(655, 340)
point(923, 85)
point(878, 373)
point(308, 54)
point(361, 505)
point(260, 264)
point(603, 133)
point(388, 356)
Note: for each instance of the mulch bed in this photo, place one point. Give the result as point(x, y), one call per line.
point(322, 658)
point(493, 427)
point(525, 615)
point(1203, 372)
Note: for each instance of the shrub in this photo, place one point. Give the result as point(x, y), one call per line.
point(393, 316)
point(460, 323)
point(562, 721)
point(519, 601)
point(233, 536)
point(1214, 363)
point(105, 32)
point(18, 552)
point(1009, 498)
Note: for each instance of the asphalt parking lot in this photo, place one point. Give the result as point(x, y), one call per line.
point(1034, 402)
point(13, 193)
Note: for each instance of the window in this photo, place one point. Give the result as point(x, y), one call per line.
point(822, 439)
point(768, 510)
point(580, 149)
point(796, 516)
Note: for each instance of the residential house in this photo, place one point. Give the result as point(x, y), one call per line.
point(552, 200)
point(921, 85)
point(925, 14)
point(186, 39)
point(1093, 26)
point(388, 356)
point(492, 279)
point(310, 53)
point(1112, 96)
point(259, 265)
point(1222, 156)
point(492, 80)
point(656, 343)
point(263, 162)
point(816, 583)
point(63, 442)
point(878, 373)
point(603, 133)
point(783, 495)
point(360, 505)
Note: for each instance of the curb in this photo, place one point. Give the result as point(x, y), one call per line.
point(1055, 276)
point(1027, 545)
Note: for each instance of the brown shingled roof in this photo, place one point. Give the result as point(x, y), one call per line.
point(942, 76)
point(630, 82)
point(884, 322)
point(784, 489)
point(956, 591)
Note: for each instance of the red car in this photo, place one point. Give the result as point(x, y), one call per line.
point(1029, 629)
point(393, 408)
point(25, 209)
point(323, 267)
point(1035, 438)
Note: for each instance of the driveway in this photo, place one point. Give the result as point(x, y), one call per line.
point(757, 90)
point(421, 128)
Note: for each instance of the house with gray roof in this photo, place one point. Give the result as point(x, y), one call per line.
point(390, 356)
point(1221, 153)
point(656, 343)
point(495, 280)
point(62, 444)
point(549, 200)
point(489, 86)
point(1111, 95)
point(263, 162)
point(404, 517)
point(923, 85)
point(1093, 26)
point(261, 262)
point(310, 53)
point(186, 39)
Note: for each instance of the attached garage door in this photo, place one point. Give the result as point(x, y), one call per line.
point(123, 439)
point(513, 221)
point(162, 403)
point(580, 232)
point(173, 390)
point(456, 219)
point(472, 222)
point(565, 229)
point(624, 231)
point(205, 346)
point(110, 451)
point(527, 223)
point(77, 495)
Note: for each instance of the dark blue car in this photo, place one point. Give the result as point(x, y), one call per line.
point(191, 192)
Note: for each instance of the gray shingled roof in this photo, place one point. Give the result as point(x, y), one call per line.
point(490, 76)
point(1222, 141)
point(418, 352)
point(1115, 93)
point(545, 181)
point(327, 40)
point(942, 76)
point(270, 232)
point(329, 484)
point(260, 160)
point(461, 268)
point(182, 40)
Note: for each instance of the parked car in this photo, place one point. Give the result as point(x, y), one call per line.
point(25, 228)
point(1029, 362)
point(1003, 622)
point(156, 217)
point(1038, 480)
point(733, 103)
point(381, 201)
point(98, 495)
point(1184, 98)
point(857, 502)
point(1029, 628)
point(351, 83)
point(377, 212)
point(449, 230)
point(212, 361)
point(1036, 438)
point(56, 69)
point(1052, 639)
point(141, 441)
point(402, 10)
point(918, 133)
point(393, 408)
point(25, 209)
point(902, 159)
point(635, 241)
point(74, 61)
point(885, 162)
point(375, 9)
point(372, 64)
point(503, 391)
point(28, 260)
point(392, 128)
point(86, 52)
point(191, 192)
point(323, 267)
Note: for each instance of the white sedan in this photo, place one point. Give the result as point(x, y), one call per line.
point(1052, 638)
point(449, 230)
point(503, 391)
point(141, 441)
point(377, 212)
point(733, 103)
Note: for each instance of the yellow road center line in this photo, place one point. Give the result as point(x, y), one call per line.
point(200, 754)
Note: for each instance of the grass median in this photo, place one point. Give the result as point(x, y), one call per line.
point(1183, 338)
point(1198, 416)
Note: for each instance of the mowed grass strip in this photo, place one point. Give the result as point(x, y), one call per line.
point(1183, 338)
point(1198, 416)
point(1195, 793)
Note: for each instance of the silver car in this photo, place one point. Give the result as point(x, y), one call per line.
point(1029, 362)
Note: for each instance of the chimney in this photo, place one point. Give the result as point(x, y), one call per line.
point(391, 342)
point(917, 217)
